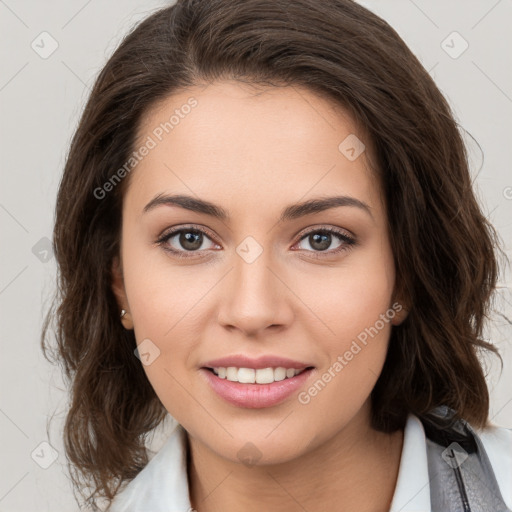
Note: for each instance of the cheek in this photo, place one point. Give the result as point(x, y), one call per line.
point(158, 295)
point(354, 305)
point(351, 297)
point(159, 312)
point(354, 355)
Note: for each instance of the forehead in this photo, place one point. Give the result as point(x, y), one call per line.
point(227, 140)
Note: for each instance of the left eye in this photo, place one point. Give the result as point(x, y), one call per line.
point(320, 240)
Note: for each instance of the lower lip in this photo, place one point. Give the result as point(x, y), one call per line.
point(255, 396)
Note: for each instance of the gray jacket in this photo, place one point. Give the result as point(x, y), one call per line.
point(461, 476)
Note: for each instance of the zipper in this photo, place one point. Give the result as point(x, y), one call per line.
point(462, 490)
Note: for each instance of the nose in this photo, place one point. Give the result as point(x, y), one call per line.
point(254, 297)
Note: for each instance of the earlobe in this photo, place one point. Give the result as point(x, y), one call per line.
point(401, 312)
point(119, 291)
point(400, 302)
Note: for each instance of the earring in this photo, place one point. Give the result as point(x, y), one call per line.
point(126, 319)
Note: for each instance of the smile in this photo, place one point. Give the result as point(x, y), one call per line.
point(239, 386)
point(255, 376)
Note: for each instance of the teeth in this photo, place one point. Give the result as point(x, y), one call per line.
point(280, 373)
point(246, 375)
point(252, 376)
point(232, 374)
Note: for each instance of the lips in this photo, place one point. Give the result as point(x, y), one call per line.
point(256, 395)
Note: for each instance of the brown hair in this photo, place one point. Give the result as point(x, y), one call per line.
point(444, 248)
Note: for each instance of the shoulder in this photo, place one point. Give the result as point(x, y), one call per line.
point(476, 461)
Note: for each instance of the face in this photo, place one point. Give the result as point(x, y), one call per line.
point(252, 276)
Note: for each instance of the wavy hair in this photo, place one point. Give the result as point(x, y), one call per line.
point(443, 246)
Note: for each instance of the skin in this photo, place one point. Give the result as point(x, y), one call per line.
point(253, 155)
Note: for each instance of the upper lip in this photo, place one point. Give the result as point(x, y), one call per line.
point(268, 361)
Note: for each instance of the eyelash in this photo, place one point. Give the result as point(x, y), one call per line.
point(349, 242)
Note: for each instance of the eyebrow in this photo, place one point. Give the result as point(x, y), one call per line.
point(291, 212)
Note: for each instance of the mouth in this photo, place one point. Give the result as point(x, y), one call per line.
point(256, 388)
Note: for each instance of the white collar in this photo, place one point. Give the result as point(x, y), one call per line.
point(163, 485)
point(412, 491)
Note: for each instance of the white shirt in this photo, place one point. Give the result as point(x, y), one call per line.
point(162, 486)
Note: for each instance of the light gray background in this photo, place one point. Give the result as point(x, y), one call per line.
point(41, 100)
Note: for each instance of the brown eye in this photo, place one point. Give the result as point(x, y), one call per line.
point(190, 240)
point(185, 240)
point(320, 240)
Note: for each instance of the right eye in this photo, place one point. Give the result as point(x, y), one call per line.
point(184, 240)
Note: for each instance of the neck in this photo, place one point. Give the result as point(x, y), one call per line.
point(356, 469)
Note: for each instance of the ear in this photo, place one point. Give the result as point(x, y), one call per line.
point(401, 312)
point(400, 304)
point(120, 292)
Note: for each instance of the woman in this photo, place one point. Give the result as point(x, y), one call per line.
point(266, 230)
